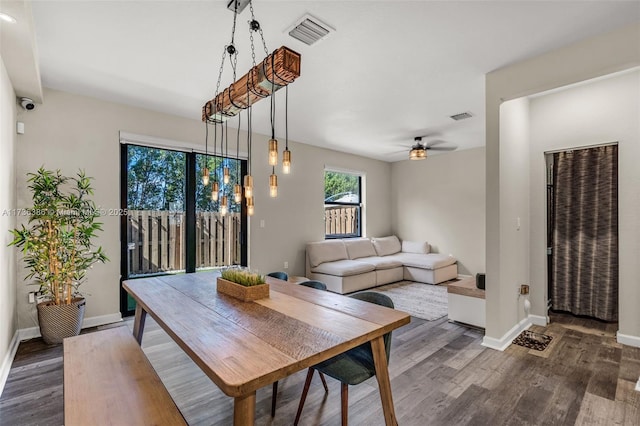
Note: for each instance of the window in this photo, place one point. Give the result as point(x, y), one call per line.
point(171, 223)
point(342, 207)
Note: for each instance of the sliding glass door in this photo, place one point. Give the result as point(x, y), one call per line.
point(171, 224)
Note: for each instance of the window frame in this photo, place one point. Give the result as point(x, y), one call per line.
point(359, 205)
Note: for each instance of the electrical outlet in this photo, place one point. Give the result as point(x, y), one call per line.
point(286, 265)
point(32, 297)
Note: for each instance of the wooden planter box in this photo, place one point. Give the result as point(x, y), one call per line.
point(246, 294)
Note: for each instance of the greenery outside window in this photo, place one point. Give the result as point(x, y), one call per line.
point(342, 204)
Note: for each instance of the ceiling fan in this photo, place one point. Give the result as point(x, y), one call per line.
point(419, 150)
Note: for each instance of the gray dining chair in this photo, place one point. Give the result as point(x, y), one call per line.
point(279, 275)
point(319, 285)
point(351, 367)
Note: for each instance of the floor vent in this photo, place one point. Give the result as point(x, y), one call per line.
point(462, 116)
point(310, 30)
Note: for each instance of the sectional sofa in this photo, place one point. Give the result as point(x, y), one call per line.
point(348, 265)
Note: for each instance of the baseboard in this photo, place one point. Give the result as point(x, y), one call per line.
point(33, 332)
point(503, 343)
point(539, 320)
point(8, 360)
point(628, 340)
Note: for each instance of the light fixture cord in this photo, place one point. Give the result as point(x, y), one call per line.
point(286, 117)
point(238, 150)
point(215, 157)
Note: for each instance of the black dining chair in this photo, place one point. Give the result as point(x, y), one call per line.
point(279, 275)
point(318, 285)
point(352, 367)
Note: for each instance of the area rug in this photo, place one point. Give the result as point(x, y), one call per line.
point(533, 340)
point(420, 300)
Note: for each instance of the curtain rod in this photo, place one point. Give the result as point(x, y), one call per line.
point(555, 151)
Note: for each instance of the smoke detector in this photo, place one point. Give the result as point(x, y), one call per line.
point(310, 30)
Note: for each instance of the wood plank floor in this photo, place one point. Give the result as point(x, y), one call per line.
point(440, 375)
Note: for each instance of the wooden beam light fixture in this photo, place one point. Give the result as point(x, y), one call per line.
point(277, 70)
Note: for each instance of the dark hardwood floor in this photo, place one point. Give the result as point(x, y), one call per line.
point(440, 376)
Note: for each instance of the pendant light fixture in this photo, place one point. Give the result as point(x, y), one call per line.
point(273, 184)
point(277, 70)
point(237, 188)
point(214, 186)
point(225, 170)
point(224, 205)
point(286, 154)
point(205, 170)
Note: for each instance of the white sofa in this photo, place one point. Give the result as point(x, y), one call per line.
point(350, 265)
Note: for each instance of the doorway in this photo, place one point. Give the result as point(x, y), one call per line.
point(582, 231)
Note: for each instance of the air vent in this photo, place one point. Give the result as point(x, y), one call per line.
point(310, 30)
point(462, 116)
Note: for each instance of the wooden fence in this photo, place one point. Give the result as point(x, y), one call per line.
point(341, 220)
point(157, 238)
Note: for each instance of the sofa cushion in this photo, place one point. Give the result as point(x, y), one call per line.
point(326, 251)
point(343, 268)
point(421, 247)
point(382, 262)
point(361, 247)
point(425, 261)
point(386, 245)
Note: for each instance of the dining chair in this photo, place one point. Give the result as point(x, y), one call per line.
point(279, 275)
point(351, 367)
point(318, 285)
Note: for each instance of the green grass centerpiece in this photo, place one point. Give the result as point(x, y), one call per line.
point(242, 284)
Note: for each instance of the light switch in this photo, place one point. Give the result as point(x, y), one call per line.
point(261, 223)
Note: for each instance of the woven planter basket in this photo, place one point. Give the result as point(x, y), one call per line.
point(60, 321)
point(246, 294)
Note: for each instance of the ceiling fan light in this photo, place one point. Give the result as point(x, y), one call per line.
point(417, 153)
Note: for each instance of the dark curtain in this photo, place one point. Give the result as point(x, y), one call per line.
point(585, 234)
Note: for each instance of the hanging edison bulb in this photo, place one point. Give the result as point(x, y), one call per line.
point(273, 152)
point(225, 175)
point(286, 161)
point(215, 188)
point(237, 193)
point(250, 208)
point(248, 186)
point(224, 205)
point(205, 177)
point(273, 185)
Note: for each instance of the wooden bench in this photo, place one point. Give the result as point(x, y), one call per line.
point(466, 302)
point(108, 380)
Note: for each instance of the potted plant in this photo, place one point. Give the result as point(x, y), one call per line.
point(58, 249)
point(242, 284)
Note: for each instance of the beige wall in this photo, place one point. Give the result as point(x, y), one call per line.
point(8, 318)
point(71, 132)
point(588, 59)
point(611, 107)
point(441, 200)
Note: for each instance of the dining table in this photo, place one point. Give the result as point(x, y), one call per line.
point(243, 346)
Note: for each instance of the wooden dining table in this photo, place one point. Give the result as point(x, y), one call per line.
point(243, 346)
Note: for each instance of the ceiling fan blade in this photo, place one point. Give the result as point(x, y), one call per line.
point(442, 148)
point(436, 142)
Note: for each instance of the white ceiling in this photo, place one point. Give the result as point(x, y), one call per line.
point(392, 70)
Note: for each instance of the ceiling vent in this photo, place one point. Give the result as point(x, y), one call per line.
point(310, 30)
point(462, 116)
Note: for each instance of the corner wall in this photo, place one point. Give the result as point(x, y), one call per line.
point(71, 132)
point(8, 317)
point(441, 200)
point(611, 107)
point(594, 57)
